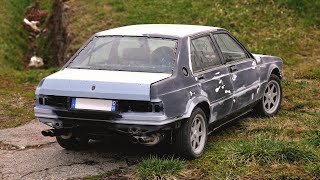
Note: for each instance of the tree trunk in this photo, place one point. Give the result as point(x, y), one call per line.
point(58, 33)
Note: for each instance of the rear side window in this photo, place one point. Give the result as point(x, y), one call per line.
point(203, 54)
point(231, 50)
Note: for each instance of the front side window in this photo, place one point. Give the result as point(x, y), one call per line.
point(203, 54)
point(138, 54)
point(231, 50)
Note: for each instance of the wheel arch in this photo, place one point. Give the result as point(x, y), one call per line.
point(276, 72)
point(274, 69)
point(205, 107)
point(201, 102)
point(259, 109)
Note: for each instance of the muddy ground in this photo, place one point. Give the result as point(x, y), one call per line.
point(26, 154)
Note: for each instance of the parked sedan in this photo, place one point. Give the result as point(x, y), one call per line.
point(157, 82)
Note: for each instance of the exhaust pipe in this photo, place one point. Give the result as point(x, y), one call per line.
point(54, 132)
point(141, 140)
point(134, 139)
point(49, 132)
point(148, 140)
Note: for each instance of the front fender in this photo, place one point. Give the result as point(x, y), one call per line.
point(266, 71)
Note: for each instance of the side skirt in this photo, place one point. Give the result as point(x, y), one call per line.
point(219, 123)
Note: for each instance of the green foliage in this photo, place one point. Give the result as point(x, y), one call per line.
point(34, 76)
point(269, 151)
point(308, 9)
point(118, 5)
point(297, 101)
point(28, 76)
point(160, 168)
point(313, 138)
point(12, 35)
point(44, 42)
point(278, 28)
point(314, 169)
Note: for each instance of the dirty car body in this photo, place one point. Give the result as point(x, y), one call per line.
point(145, 81)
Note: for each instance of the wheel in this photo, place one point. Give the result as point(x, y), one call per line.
point(72, 142)
point(270, 102)
point(190, 140)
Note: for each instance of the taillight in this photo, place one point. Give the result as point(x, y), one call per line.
point(157, 107)
point(139, 106)
point(55, 101)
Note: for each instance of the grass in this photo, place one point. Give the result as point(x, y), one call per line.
point(16, 101)
point(283, 147)
point(313, 138)
point(276, 148)
point(159, 168)
point(94, 15)
point(17, 95)
point(17, 85)
point(268, 151)
point(13, 37)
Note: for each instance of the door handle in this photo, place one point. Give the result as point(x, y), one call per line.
point(233, 68)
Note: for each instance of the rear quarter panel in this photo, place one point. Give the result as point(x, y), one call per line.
point(174, 92)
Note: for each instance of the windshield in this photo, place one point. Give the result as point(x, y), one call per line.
point(118, 53)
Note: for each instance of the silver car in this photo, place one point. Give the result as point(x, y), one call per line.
point(157, 82)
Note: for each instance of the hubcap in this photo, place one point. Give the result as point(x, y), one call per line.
point(198, 134)
point(271, 97)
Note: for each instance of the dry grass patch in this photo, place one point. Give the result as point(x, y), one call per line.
point(17, 102)
point(278, 171)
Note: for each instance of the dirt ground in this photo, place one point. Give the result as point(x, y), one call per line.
point(26, 154)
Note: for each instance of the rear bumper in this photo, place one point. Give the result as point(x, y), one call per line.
point(125, 123)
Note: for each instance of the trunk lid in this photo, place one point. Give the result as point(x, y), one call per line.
point(100, 84)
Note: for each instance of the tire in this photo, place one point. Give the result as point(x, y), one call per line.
point(270, 103)
point(71, 142)
point(185, 141)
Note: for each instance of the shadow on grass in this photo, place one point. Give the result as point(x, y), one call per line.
point(125, 148)
point(120, 148)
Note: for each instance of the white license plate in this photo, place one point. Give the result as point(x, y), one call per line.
point(93, 104)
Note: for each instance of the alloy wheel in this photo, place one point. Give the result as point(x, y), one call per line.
point(198, 133)
point(271, 97)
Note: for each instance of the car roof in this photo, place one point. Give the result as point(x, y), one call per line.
point(171, 30)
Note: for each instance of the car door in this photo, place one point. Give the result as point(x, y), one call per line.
point(242, 68)
point(213, 77)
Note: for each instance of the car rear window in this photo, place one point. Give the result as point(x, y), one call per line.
point(123, 53)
